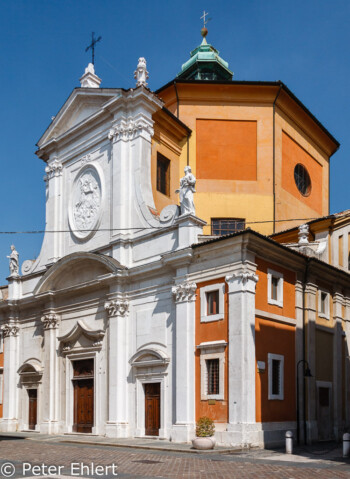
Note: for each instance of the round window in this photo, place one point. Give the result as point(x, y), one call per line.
point(302, 179)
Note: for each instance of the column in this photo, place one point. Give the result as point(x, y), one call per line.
point(54, 207)
point(241, 362)
point(9, 420)
point(117, 424)
point(347, 365)
point(310, 383)
point(337, 364)
point(50, 386)
point(184, 296)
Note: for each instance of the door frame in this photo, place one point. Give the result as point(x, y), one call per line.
point(141, 380)
point(96, 429)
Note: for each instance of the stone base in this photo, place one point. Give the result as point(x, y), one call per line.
point(182, 432)
point(8, 425)
point(49, 427)
point(114, 429)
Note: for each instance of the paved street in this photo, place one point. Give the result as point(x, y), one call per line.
point(138, 463)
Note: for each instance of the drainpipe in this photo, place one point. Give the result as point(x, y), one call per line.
point(177, 100)
point(273, 159)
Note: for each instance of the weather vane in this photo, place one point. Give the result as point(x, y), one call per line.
point(92, 46)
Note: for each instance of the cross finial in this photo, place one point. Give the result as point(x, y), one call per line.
point(204, 19)
point(92, 46)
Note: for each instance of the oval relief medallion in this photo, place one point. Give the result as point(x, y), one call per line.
point(85, 207)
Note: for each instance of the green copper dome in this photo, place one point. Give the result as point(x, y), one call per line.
point(205, 64)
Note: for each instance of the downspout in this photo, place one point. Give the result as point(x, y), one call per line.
point(177, 100)
point(274, 159)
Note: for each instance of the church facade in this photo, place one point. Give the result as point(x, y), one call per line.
point(131, 323)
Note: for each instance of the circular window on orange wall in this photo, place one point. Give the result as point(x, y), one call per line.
point(302, 179)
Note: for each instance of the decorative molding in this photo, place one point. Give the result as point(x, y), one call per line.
point(52, 170)
point(184, 292)
point(117, 307)
point(50, 321)
point(128, 130)
point(244, 280)
point(85, 159)
point(10, 330)
point(68, 341)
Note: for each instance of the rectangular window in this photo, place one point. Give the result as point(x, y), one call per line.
point(213, 376)
point(323, 304)
point(341, 251)
point(163, 174)
point(275, 287)
point(225, 226)
point(212, 302)
point(276, 376)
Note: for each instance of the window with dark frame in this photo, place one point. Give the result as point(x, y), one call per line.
point(213, 376)
point(323, 302)
point(276, 377)
point(274, 287)
point(302, 179)
point(225, 226)
point(163, 174)
point(212, 302)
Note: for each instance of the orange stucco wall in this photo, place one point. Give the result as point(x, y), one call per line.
point(292, 154)
point(226, 150)
point(212, 331)
point(261, 302)
point(276, 338)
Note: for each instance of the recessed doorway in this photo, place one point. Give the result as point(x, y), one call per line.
point(83, 386)
point(33, 408)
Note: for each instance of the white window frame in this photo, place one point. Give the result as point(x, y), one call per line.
point(279, 301)
point(270, 358)
point(212, 350)
point(205, 318)
point(325, 315)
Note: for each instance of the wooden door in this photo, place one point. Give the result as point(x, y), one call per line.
point(152, 409)
point(33, 397)
point(83, 405)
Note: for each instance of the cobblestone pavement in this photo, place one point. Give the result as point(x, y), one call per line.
point(136, 463)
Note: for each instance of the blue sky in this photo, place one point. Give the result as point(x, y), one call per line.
point(42, 56)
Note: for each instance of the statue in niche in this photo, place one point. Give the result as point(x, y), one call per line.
point(88, 204)
point(14, 261)
point(187, 184)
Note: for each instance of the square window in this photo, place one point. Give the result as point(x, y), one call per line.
point(276, 376)
point(163, 174)
point(212, 302)
point(275, 287)
point(323, 304)
point(213, 376)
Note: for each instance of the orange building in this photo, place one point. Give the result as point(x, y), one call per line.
point(260, 157)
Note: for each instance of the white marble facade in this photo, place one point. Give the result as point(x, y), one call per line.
point(115, 284)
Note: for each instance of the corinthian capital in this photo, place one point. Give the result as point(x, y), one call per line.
point(10, 330)
point(184, 292)
point(242, 281)
point(117, 307)
point(50, 321)
point(53, 169)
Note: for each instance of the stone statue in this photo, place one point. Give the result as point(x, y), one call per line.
point(187, 184)
point(141, 73)
point(303, 234)
point(14, 262)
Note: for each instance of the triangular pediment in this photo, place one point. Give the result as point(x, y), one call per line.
point(81, 104)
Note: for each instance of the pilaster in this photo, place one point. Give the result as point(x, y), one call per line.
point(53, 180)
point(241, 363)
point(310, 383)
point(117, 424)
point(299, 350)
point(9, 421)
point(338, 299)
point(50, 394)
point(184, 296)
point(347, 359)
